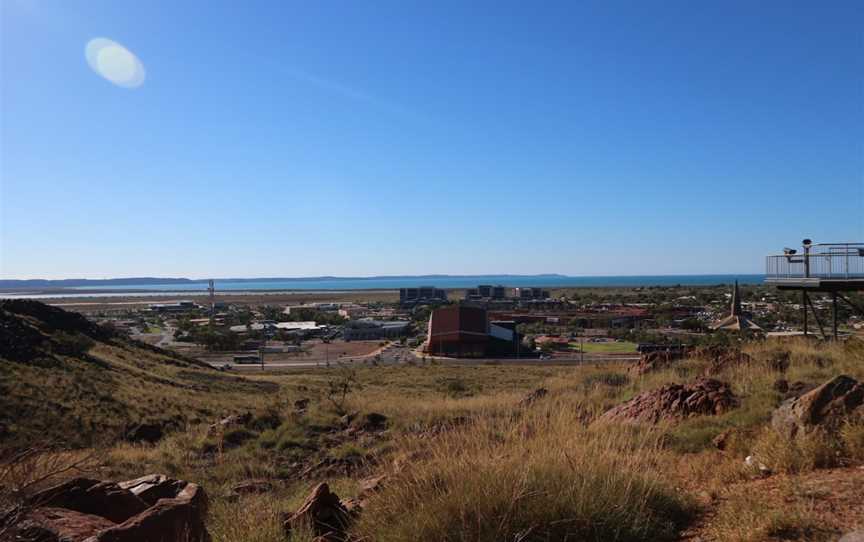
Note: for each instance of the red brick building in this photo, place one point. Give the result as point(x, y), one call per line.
point(466, 332)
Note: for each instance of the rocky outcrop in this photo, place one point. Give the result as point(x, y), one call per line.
point(59, 524)
point(323, 513)
point(791, 389)
point(153, 487)
point(153, 508)
point(104, 499)
point(673, 402)
point(655, 361)
point(827, 406)
point(180, 519)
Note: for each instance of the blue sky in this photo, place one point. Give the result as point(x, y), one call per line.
point(405, 137)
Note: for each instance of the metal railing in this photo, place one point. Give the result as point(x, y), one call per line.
point(838, 261)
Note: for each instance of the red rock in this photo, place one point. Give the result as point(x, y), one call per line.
point(84, 510)
point(322, 511)
point(180, 519)
point(105, 499)
point(654, 361)
point(674, 402)
point(153, 487)
point(49, 524)
point(826, 406)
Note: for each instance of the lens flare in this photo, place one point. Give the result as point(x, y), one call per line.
point(114, 62)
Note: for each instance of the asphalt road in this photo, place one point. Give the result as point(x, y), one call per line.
point(396, 354)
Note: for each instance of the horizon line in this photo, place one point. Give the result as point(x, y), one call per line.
point(373, 277)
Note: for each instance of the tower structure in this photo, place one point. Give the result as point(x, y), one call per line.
point(737, 320)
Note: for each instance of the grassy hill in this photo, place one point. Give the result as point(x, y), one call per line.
point(67, 380)
point(466, 458)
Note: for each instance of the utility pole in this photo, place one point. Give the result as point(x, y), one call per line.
point(211, 289)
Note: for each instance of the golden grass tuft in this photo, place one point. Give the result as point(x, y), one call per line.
point(537, 475)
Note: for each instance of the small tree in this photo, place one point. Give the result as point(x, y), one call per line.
point(339, 388)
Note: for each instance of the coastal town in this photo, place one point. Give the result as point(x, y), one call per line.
point(431, 271)
point(421, 324)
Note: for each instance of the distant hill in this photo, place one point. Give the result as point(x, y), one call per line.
point(77, 283)
point(67, 380)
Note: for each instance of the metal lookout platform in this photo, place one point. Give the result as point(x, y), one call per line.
point(831, 268)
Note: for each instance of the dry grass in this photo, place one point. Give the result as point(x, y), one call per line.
point(473, 466)
point(537, 475)
point(748, 517)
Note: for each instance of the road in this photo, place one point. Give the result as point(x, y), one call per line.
point(396, 354)
point(167, 337)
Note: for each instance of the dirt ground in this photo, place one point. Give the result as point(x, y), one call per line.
point(832, 500)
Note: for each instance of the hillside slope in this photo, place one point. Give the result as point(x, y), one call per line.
point(66, 380)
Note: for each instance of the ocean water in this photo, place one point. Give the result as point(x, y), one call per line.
point(391, 283)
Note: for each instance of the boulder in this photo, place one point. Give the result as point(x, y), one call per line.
point(152, 508)
point(674, 402)
point(654, 361)
point(322, 512)
point(153, 487)
point(793, 389)
point(179, 519)
point(104, 499)
point(300, 405)
point(50, 524)
point(826, 406)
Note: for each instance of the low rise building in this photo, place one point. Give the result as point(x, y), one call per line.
point(179, 306)
point(530, 293)
point(368, 329)
point(421, 294)
point(324, 307)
